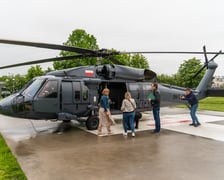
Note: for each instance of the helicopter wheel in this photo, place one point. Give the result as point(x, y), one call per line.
point(92, 123)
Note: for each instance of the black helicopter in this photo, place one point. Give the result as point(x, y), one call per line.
point(73, 94)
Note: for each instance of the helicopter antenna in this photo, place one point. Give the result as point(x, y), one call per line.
point(66, 74)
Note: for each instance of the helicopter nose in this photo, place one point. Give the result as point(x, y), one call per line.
point(6, 106)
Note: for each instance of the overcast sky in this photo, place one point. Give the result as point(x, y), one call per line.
point(125, 25)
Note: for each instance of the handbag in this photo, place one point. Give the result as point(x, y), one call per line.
point(138, 115)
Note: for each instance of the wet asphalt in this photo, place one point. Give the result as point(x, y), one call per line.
point(78, 154)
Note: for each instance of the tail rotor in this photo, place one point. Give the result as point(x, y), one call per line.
point(206, 61)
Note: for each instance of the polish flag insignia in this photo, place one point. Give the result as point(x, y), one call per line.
point(89, 73)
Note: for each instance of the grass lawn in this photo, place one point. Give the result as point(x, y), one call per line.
point(210, 103)
point(9, 167)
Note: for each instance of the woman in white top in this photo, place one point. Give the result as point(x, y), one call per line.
point(128, 107)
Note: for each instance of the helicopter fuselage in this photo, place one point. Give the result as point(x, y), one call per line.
point(75, 93)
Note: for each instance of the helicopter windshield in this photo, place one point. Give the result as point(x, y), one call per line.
point(32, 89)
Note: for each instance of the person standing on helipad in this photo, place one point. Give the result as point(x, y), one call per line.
point(193, 102)
point(128, 107)
point(105, 118)
point(154, 97)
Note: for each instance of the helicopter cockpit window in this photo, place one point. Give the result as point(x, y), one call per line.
point(50, 90)
point(32, 89)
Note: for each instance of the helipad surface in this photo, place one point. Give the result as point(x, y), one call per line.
point(179, 123)
point(179, 152)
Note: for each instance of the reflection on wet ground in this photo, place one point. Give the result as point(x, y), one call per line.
point(80, 155)
point(218, 122)
point(45, 154)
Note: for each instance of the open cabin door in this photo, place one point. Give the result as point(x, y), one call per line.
point(117, 91)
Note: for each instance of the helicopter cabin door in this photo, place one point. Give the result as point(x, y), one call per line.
point(117, 91)
point(140, 92)
point(47, 100)
point(75, 97)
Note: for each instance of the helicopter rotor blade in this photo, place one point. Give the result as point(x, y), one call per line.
point(82, 52)
point(94, 52)
point(169, 52)
point(48, 46)
point(99, 53)
point(46, 60)
point(218, 53)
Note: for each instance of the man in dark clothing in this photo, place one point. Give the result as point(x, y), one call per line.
point(155, 102)
point(193, 102)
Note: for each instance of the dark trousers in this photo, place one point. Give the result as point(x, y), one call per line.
point(156, 116)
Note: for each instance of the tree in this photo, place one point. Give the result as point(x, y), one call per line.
point(20, 81)
point(48, 70)
point(163, 78)
point(136, 60)
point(139, 61)
point(78, 38)
point(186, 72)
point(33, 72)
point(14, 82)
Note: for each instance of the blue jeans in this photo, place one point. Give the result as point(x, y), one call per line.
point(194, 118)
point(128, 118)
point(156, 116)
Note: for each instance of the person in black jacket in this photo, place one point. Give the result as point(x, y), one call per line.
point(193, 102)
point(155, 102)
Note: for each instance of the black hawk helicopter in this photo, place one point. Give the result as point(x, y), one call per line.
point(73, 94)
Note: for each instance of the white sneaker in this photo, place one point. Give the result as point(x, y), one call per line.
point(133, 134)
point(125, 134)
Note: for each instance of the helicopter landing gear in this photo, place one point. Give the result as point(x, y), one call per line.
point(92, 122)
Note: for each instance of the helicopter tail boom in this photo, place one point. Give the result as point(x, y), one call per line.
point(206, 81)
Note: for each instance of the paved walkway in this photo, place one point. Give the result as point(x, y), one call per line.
point(179, 121)
point(76, 154)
